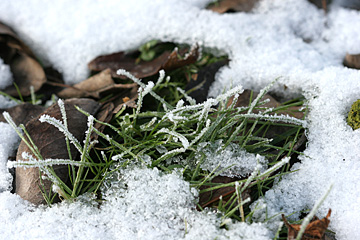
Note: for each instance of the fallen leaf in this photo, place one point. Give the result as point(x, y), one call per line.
point(23, 113)
point(104, 115)
point(244, 101)
point(9, 38)
point(26, 72)
point(224, 6)
point(174, 62)
point(314, 230)
point(352, 61)
point(25, 68)
point(211, 198)
point(51, 144)
point(167, 61)
point(198, 87)
point(129, 100)
point(90, 87)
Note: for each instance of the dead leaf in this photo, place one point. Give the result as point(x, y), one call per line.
point(128, 101)
point(352, 61)
point(314, 230)
point(23, 64)
point(9, 38)
point(104, 115)
point(174, 62)
point(26, 72)
point(198, 87)
point(211, 198)
point(51, 144)
point(22, 113)
point(91, 87)
point(167, 61)
point(244, 101)
point(224, 6)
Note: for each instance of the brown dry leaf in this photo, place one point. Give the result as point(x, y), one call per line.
point(104, 115)
point(22, 113)
point(244, 100)
point(9, 38)
point(352, 61)
point(167, 61)
point(90, 87)
point(51, 144)
point(314, 230)
point(174, 62)
point(128, 101)
point(233, 6)
point(211, 198)
point(24, 67)
point(27, 72)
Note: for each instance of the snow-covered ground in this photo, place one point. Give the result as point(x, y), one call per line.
point(291, 39)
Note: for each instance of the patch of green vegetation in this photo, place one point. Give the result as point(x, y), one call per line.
point(354, 115)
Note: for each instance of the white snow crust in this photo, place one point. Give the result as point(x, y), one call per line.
point(8, 145)
point(5, 75)
point(290, 39)
point(139, 204)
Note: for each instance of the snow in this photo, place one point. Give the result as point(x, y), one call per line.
point(231, 161)
point(7, 149)
point(139, 204)
point(287, 39)
point(5, 75)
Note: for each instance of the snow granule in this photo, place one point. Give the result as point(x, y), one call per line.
point(8, 144)
point(231, 161)
point(5, 75)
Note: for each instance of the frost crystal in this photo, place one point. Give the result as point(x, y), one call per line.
point(236, 162)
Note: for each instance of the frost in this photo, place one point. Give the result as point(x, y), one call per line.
point(234, 161)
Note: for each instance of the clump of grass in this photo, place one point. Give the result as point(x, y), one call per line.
point(170, 137)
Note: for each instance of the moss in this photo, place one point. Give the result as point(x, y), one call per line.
point(354, 115)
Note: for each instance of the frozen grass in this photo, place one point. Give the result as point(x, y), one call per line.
point(175, 140)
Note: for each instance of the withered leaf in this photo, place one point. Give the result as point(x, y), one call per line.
point(233, 6)
point(9, 38)
point(352, 61)
point(128, 100)
point(51, 144)
point(314, 230)
point(174, 62)
point(24, 67)
point(167, 61)
point(104, 114)
point(27, 72)
point(211, 198)
point(90, 87)
point(244, 100)
point(198, 87)
point(22, 113)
